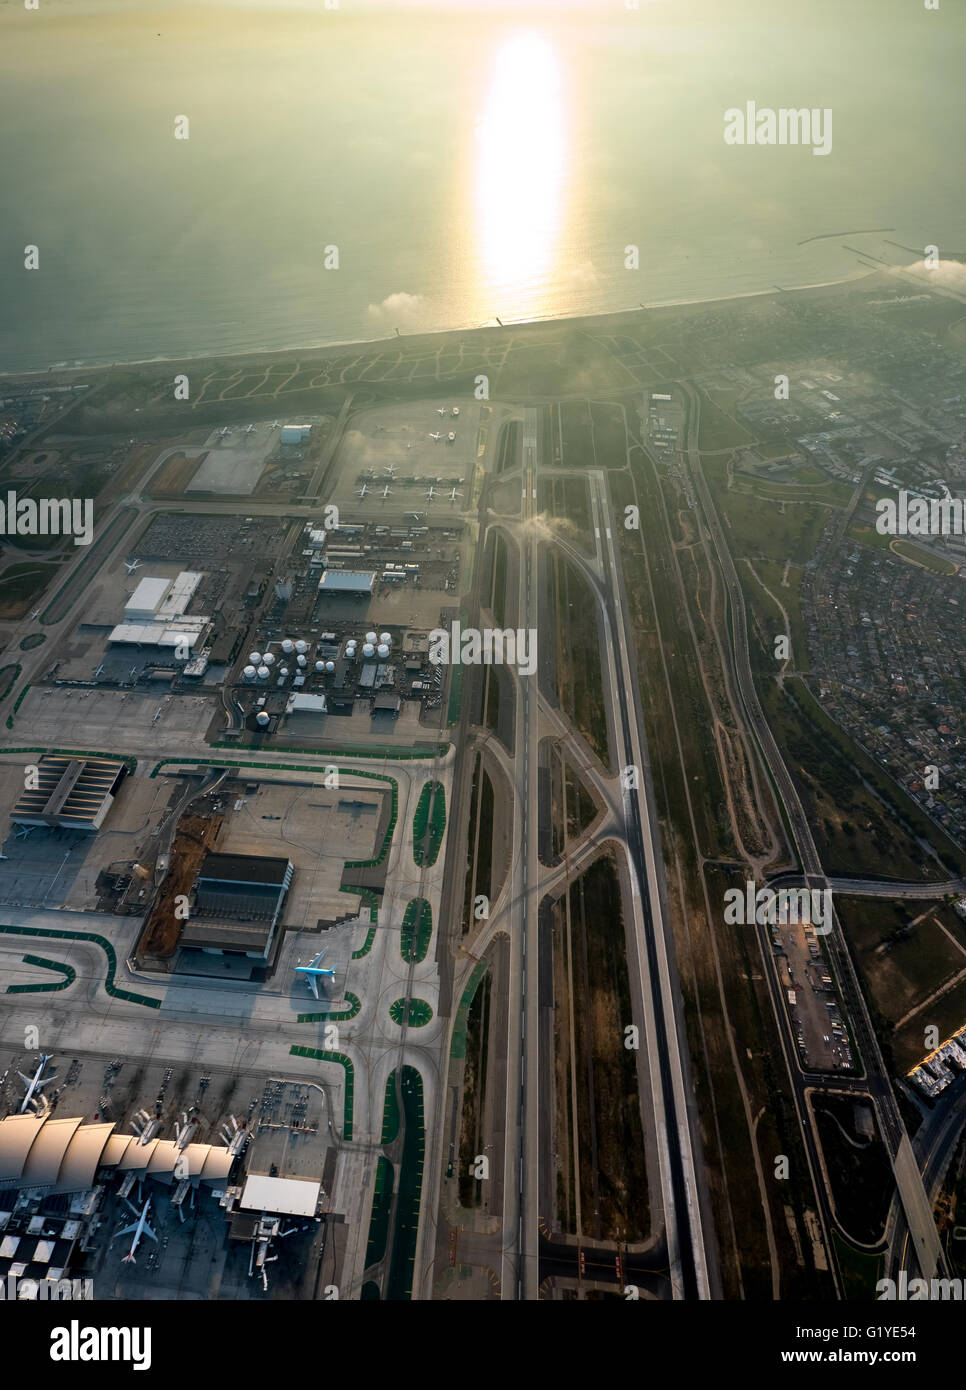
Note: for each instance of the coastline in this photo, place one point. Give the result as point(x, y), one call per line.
point(56, 370)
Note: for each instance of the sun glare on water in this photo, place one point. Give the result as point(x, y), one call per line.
point(520, 173)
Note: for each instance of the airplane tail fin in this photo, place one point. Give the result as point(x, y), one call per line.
point(129, 1260)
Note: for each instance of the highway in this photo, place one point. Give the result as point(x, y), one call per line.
point(917, 1210)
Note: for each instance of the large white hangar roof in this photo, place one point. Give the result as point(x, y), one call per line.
point(347, 581)
point(280, 1196)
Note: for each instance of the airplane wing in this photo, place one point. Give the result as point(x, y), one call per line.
point(149, 1232)
point(314, 964)
point(313, 984)
point(127, 1231)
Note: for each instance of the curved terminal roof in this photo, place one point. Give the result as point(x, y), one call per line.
point(17, 1134)
point(217, 1164)
point(83, 1156)
point(47, 1152)
point(115, 1149)
point(66, 1154)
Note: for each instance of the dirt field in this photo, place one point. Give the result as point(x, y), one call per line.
point(195, 835)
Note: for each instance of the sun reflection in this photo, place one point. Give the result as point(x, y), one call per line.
point(520, 171)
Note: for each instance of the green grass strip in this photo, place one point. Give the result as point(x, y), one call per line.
point(113, 990)
point(343, 1061)
point(70, 975)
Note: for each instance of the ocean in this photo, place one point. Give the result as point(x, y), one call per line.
point(356, 171)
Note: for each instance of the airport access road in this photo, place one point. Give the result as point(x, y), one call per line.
point(907, 1176)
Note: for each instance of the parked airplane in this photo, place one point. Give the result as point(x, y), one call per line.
point(390, 470)
point(34, 1084)
point(137, 1229)
point(454, 494)
point(35, 616)
point(99, 670)
point(386, 491)
point(416, 516)
point(225, 430)
point(441, 410)
point(431, 493)
point(249, 429)
point(363, 490)
point(437, 436)
point(132, 565)
point(312, 973)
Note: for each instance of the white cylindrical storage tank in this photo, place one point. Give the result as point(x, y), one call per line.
point(368, 649)
point(283, 670)
point(301, 646)
point(262, 718)
point(250, 673)
point(371, 637)
point(255, 658)
point(269, 659)
point(288, 646)
point(386, 637)
point(382, 650)
point(320, 666)
point(350, 651)
point(301, 660)
point(263, 673)
point(330, 666)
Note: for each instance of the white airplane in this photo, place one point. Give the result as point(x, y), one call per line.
point(137, 1229)
point(35, 616)
point(390, 470)
point(454, 494)
point(312, 973)
point(34, 1084)
point(415, 516)
point(441, 410)
point(225, 430)
point(99, 670)
point(363, 490)
point(386, 491)
point(436, 437)
point(249, 429)
point(132, 565)
point(431, 493)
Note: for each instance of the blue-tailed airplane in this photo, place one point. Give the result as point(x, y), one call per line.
point(312, 973)
point(34, 1085)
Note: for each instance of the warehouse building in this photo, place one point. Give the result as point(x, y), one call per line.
point(347, 582)
point(155, 616)
point(235, 912)
point(70, 793)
